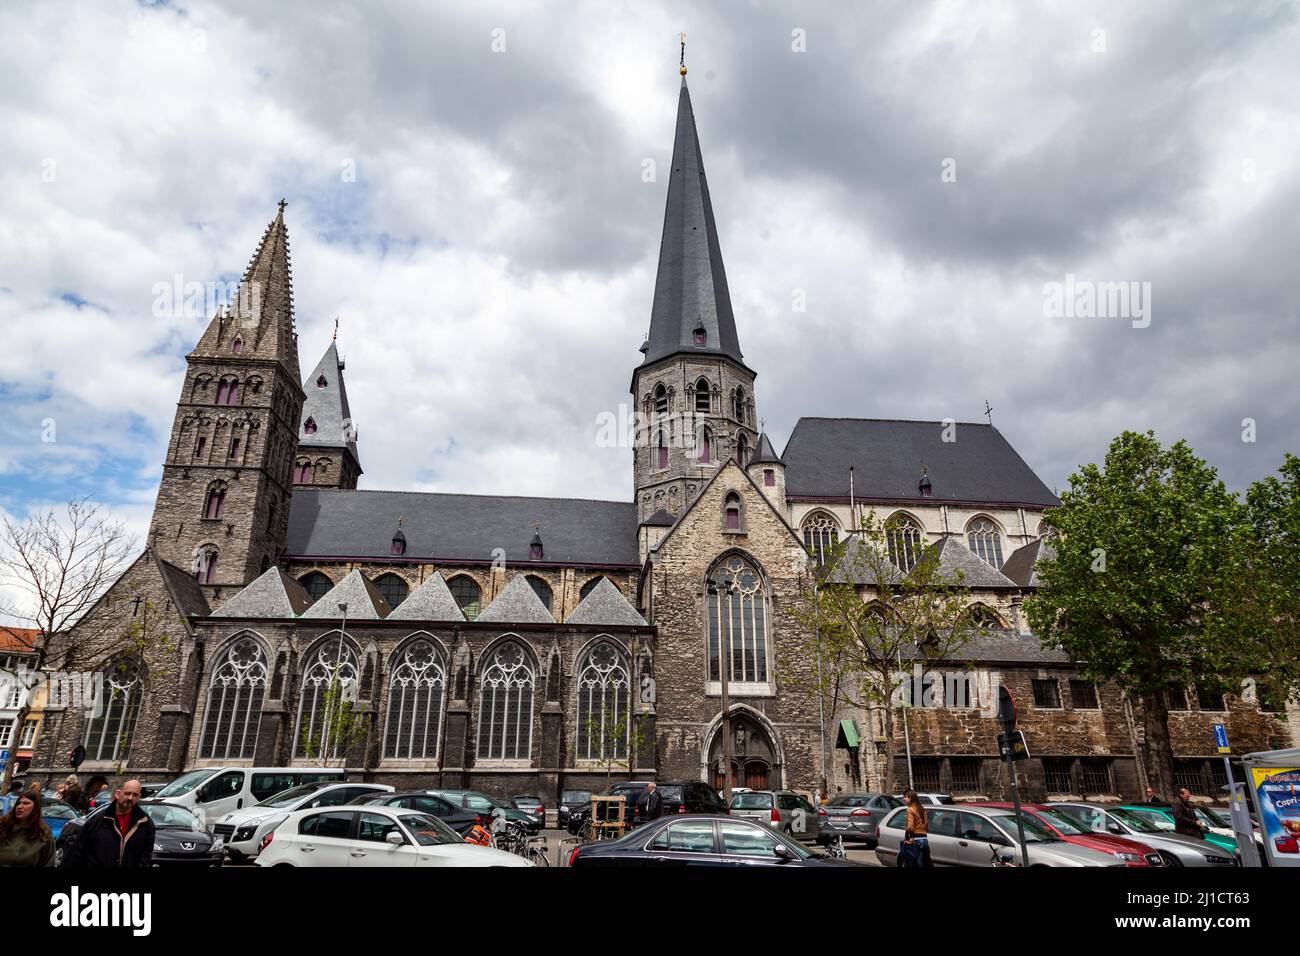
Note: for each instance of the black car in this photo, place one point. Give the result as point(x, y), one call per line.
point(482, 804)
point(180, 838)
point(700, 841)
point(457, 817)
point(571, 800)
point(693, 796)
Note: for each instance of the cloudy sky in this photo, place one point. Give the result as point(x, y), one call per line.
point(466, 193)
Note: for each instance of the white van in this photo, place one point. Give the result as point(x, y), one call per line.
point(215, 791)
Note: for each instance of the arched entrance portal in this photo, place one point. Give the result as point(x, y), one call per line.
point(753, 757)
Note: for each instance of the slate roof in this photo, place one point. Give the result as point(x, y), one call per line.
point(766, 453)
point(1022, 565)
point(431, 601)
point(691, 284)
point(344, 523)
point(954, 556)
point(363, 599)
point(1004, 646)
point(889, 457)
point(661, 519)
point(272, 595)
point(606, 605)
point(189, 596)
point(328, 407)
point(518, 603)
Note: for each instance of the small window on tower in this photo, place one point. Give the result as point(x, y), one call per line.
point(661, 452)
point(769, 477)
point(320, 382)
point(216, 502)
point(200, 448)
point(398, 546)
point(701, 334)
point(234, 447)
point(237, 346)
point(733, 512)
point(661, 400)
point(309, 426)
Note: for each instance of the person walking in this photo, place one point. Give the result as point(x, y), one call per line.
point(915, 850)
point(72, 795)
point(1153, 799)
point(654, 802)
point(1185, 821)
point(25, 838)
point(121, 836)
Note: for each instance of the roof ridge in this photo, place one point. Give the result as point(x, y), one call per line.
point(895, 421)
point(463, 494)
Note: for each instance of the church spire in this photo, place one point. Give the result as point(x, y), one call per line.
point(692, 307)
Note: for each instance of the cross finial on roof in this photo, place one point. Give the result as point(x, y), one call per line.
point(762, 424)
point(682, 37)
point(400, 519)
point(988, 410)
point(336, 329)
point(282, 204)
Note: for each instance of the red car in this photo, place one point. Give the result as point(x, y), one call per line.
point(1058, 824)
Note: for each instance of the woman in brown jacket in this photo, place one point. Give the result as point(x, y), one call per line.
point(25, 838)
point(916, 839)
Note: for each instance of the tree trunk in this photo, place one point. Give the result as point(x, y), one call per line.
point(889, 749)
point(1159, 751)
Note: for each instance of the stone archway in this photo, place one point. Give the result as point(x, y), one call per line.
point(755, 759)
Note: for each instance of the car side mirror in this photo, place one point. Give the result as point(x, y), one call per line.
point(1114, 828)
point(782, 851)
point(395, 839)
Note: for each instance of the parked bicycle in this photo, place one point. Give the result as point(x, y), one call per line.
point(513, 837)
point(835, 848)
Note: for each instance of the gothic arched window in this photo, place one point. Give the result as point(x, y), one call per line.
point(985, 540)
point(333, 665)
point(467, 594)
point(316, 584)
point(309, 426)
point(738, 404)
point(505, 716)
point(661, 400)
point(742, 450)
point(393, 587)
point(604, 695)
point(821, 533)
point(984, 618)
point(205, 564)
point(302, 472)
point(737, 620)
point(704, 445)
point(903, 536)
point(108, 736)
point(541, 589)
point(702, 395)
point(228, 392)
point(215, 502)
point(415, 693)
point(234, 710)
point(661, 450)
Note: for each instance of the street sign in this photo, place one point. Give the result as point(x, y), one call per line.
point(1221, 739)
point(1012, 745)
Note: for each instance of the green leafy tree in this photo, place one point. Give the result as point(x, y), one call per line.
point(329, 741)
point(1144, 547)
point(614, 740)
point(871, 622)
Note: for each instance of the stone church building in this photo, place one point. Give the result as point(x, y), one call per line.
point(517, 645)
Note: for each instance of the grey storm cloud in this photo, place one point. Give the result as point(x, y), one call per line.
point(493, 256)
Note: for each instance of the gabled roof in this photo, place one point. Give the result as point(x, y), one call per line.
point(328, 407)
point(431, 601)
point(691, 284)
point(518, 603)
point(1003, 646)
point(184, 589)
point(954, 557)
point(271, 595)
point(1022, 565)
point(350, 523)
point(363, 599)
point(889, 458)
point(606, 605)
point(18, 640)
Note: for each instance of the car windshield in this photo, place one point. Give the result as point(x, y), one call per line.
point(168, 817)
point(287, 797)
point(1136, 820)
point(1034, 832)
point(751, 801)
point(1215, 818)
point(576, 796)
point(429, 831)
point(1063, 823)
point(185, 783)
point(848, 800)
point(527, 802)
point(670, 793)
point(58, 811)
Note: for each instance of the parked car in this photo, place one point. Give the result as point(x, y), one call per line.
point(373, 836)
point(455, 816)
point(854, 817)
point(56, 814)
point(1176, 849)
point(1054, 821)
point(483, 804)
point(1219, 820)
point(970, 836)
point(782, 810)
point(180, 837)
point(215, 791)
point(1163, 817)
point(242, 830)
point(570, 800)
point(532, 806)
point(693, 796)
point(700, 841)
point(931, 799)
point(629, 790)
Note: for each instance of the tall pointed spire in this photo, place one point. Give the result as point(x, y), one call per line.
point(327, 418)
point(261, 315)
point(692, 306)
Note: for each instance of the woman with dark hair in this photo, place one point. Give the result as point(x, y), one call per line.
point(25, 838)
point(916, 840)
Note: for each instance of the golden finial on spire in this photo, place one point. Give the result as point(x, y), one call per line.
point(682, 36)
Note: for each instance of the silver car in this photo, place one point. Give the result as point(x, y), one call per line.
point(1174, 848)
point(854, 817)
point(971, 836)
point(783, 810)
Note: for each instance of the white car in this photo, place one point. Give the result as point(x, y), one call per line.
point(243, 830)
point(369, 835)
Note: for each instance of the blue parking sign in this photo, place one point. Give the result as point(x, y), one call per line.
point(1221, 738)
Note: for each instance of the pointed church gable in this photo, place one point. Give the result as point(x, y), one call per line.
point(517, 604)
point(272, 595)
point(363, 599)
point(606, 605)
point(431, 601)
point(955, 557)
point(185, 591)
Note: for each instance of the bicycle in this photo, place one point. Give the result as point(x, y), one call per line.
point(514, 838)
point(835, 848)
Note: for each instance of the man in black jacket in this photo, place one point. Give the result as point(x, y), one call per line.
point(119, 836)
point(654, 802)
point(1185, 821)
